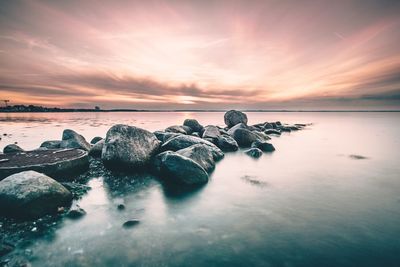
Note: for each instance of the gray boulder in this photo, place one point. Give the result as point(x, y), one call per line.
point(244, 137)
point(201, 154)
point(263, 146)
point(227, 143)
point(31, 194)
point(97, 149)
point(12, 148)
point(128, 147)
point(51, 144)
point(180, 169)
point(184, 141)
point(211, 132)
point(233, 117)
point(96, 139)
point(71, 139)
point(194, 125)
point(254, 152)
point(237, 126)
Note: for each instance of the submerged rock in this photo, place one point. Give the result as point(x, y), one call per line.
point(227, 143)
point(201, 154)
point(51, 144)
point(31, 194)
point(128, 147)
point(194, 125)
point(96, 139)
point(131, 223)
point(12, 148)
point(180, 169)
point(263, 146)
point(97, 149)
point(254, 152)
point(233, 117)
point(71, 139)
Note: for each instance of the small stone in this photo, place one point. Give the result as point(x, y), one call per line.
point(76, 212)
point(121, 207)
point(131, 223)
point(254, 152)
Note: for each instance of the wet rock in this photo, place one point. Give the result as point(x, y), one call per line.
point(194, 125)
point(237, 126)
point(196, 134)
point(176, 129)
point(267, 126)
point(233, 117)
point(128, 147)
point(180, 169)
point(96, 139)
point(184, 141)
point(31, 194)
point(131, 223)
point(120, 206)
point(165, 136)
point(272, 131)
point(211, 132)
point(201, 154)
point(244, 137)
point(76, 212)
point(226, 143)
point(51, 144)
point(71, 139)
point(97, 149)
point(12, 148)
point(263, 146)
point(254, 152)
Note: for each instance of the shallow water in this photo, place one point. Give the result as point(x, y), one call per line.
point(313, 202)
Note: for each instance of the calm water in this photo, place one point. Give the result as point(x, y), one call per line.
point(307, 204)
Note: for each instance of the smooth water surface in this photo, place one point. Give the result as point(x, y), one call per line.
point(309, 203)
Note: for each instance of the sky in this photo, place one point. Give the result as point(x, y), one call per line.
point(270, 54)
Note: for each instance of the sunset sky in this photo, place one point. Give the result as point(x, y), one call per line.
point(271, 54)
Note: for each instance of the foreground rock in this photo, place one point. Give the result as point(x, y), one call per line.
point(233, 117)
point(254, 152)
point(200, 154)
point(180, 169)
point(184, 141)
point(226, 143)
point(56, 163)
point(244, 137)
point(211, 132)
point(31, 194)
point(71, 139)
point(12, 148)
point(194, 125)
point(128, 147)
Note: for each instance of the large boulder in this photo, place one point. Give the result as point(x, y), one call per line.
point(180, 169)
point(227, 143)
point(233, 117)
point(184, 141)
point(244, 137)
point(211, 132)
point(97, 149)
point(128, 147)
point(51, 144)
point(194, 125)
point(201, 154)
point(31, 194)
point(12, 148)
point(71, 139)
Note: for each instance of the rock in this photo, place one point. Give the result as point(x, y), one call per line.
point(244, 137)
point(165, 136)
point(121, 207)
point(272, 131)
point(180, 169)
point(12, 148)
point(211, 131)
point(261, 135)
point(51, 144)
point(254, 152)
point(184, 141)
point(97, 149)
point(96, 139)
point(267, 126)
point(56, 163)
point(187, 129)
point(233, 117)
point(237, 126)
point(196, 134)
point(131, 223)
point(71, 139)
point(76, 212)
point(200, 154)
point(284, 129)
point(227, 143)
point(176, 129)
point(31, 194)
point(194, 125)
point(263, 146)
point(128, 147)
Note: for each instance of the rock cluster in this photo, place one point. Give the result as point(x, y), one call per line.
point(182, 154)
